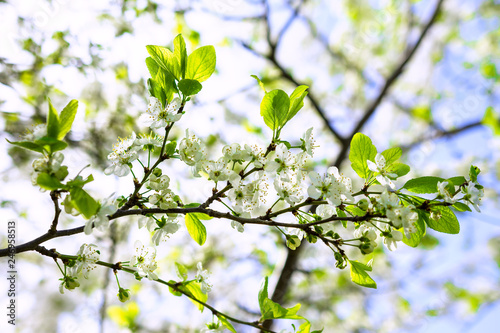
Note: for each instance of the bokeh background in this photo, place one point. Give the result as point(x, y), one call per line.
point(417, 74)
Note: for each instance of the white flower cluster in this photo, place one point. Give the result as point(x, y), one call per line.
point(471, 194)
point(87, 256)
point(157, 117)
point(126, 151)
point(202, 277)
point(144, 261)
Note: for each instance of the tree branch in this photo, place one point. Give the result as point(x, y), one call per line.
point(388, 84)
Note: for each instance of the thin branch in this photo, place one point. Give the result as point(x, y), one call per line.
point(388, 84)
point(54, 195)
point(442, 134)
point(175, 286)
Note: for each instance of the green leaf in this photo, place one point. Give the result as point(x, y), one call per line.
point(473, 173)
point(423, 184)
point(355, 210)
point(194, 288)
point(447, 222)
point(79, 181)
point(359, 275)
point(399, 169)
point(225, 322)
point(172, 290)
point(163, 57)
point(261, 84)
point(53, 126)
point(201, 63)
point(152, 67)
point(416, 237)
point(66, 118)
point(84, 203)
point(456, 181)
point(362, 149)
point(196, 229)
point(492, 120)
point(274, 108)
point(263, 294)
point(189, 87)
point(49, 182)
point(296, 101)
point(27, 145)
point(167, 84)
point(181, 271)
point(181, 56)
point(51, 144)
point(391, 155)
point(461, 207)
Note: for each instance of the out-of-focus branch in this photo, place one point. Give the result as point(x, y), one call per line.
point(388, 84)
point(441, 134)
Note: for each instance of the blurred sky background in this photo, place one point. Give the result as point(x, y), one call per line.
point(465, 259)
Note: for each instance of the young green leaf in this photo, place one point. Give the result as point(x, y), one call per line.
point(194, 288)
point(66, 118)
point(163, 57)
point(225, 322)
point(167, 84)
point(189, 87)
point(391, 155)
point(456, 181)
point(400, 169)
point(422, 185)
point(274, 108)
point(362, 149)
point(416, 237)
point(461, 207)
point(152, 66)
point(52, 122)
point(201, 63)
point(261, 84)
point(296, 101)
point(49, 182)
point(359, 275)
point(27, 145)
point(263, 294)
point(181, 271)
point(447, 221)
point(196, 229)
point(180, 56)
point(84, 203)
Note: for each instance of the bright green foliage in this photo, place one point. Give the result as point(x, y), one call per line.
point(392, 155)
point(359, 275)
point(274, 108)
point(196, 229)
point(277, 108)
point(447, 221)
point(261, 84)
point(362, 149)
point(225, 322)
point(189, 87)
point(423, 185)
point(83, 202)
point(181, 271)
point(201, 63)
point(194, 288)
point(57, 128)
point(492, 120)
point(416, 237)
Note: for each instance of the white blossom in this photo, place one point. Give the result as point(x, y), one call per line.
point(165, 199)
point(384, 177)
point(403, 217)
point(288, 191)
point(124, 152)
point(157, 117)
point(100, 221)
point(202, 277)
point(281, 160)
point(391, 240)
point(308, 142)
point(158, 183)
point(144, 261)
point(165, 228)
point(445, 194)
point(257, 155)
point(219, 171)
point(473, 195)
point(86, 260)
